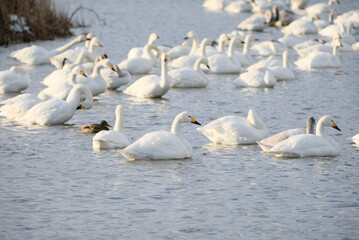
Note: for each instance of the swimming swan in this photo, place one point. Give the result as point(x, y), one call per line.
point(116, 78)
point(162, 144)
point(269, 142)
point(355, 139)
point(184, 49)
point(56, 111)
point(188, 77)
point(14, 80)
point(138, 51)
point(263, 78)
point(16, 106)
point(232, 130)
point(304, 145)
point(283, 72)
point(35, 55)
point(151, 86)
point(112, 138)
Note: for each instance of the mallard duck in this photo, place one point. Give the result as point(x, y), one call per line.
point(95, 128)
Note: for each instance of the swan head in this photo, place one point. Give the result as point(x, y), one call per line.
point(78, 70)
point(101, 57)
point(153, 37)
point(84, 92)
point(190, 34)
point(185, 117)
point(164, 57)
point(95, 42)
point(328, 122)
point(89, 36)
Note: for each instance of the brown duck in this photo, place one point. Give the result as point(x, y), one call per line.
point(95, 128)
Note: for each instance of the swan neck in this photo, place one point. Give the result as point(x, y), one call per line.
point(80, 57)
point(164, 77)
point(246, 45)
point(320, 127)
point(74, 98)
point(285, 59)
point(221, 46)
point(335, 50)
point(147, 51)
point(203, 49)
point(65, 47)
point(73, 79)
point(96, 70)
point(231, 48)
point(194, 45)
point(120, 115)
point(175, 129)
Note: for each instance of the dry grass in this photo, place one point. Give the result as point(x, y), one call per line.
point(36, 20)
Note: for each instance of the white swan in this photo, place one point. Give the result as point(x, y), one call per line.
point(223, 38)
point(189, 78)
point(112, 138)
point(320, 8)
point(355, 139)
point(56, 111)
point(239, 6)
point(95, 81)
point(14, 80)
point(269, 142)
point(256, 22)
point(140, 65)
point(188, 60)
point(62, 88)
point(345, 32)
point(138, 51)
point(232, 130)
point(115, 78)
point(262, 78)
point(268, 48)
point(304, 145)
point(244, 57)
point(214, 5)
point(321, 59)
point(300, 27)
point(151, 86)
point(221, 63)
point(162, 144)
point(272, 60)
point(291, 40)
point(35, 55)
point(283, 72)
point(72, 54)
point(16, 106)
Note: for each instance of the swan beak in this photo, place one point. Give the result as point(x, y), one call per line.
point(157, 36)
point(112, 68)
point(194, 121)
point(228, 39)
point(208, 66)
point(80, 107)
point(63, 62)
point(212, 43)
point(186, 37)
point(242, 42)
point(165, 58)
point(340, 44)
point(338, 36)
point(83, 73)
point(318, 17)
point(99, 44)
point(335, 126)
point(87, 38)
point(255, 39)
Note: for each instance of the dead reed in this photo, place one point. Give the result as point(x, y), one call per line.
point(29, 20)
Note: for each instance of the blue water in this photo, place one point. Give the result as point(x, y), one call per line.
point(54, 186)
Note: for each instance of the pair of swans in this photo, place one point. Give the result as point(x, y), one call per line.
point(35, 55)
point(162, 144)
point(14, 80)
point(321, 59)
point(304, 145)
point(151, 86)
point(233, 130)
point(53, 111)
point(112, 138)
point(267, 143)
point(138, 51)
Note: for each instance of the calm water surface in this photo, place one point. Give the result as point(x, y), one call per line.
point(54, 186)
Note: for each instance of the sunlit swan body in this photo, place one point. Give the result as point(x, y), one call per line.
point(62, 88)
point(346, 33)
point(267, 48)
point(162, 144)
point(272, 60)
point(355, 139)
point(214, 5)
point(35, 55)
point(16, 106)
point(269, 142)
point(223, 38)
point(14, 80)
point(256, 79)
point(140, 65)
point(304, 145)
point(189, 78)
point(321, 59)
point(298, 4)
point(95, 81)
point(348, 17)
point(151, 86)
point(256, 22)
point(187, 61)
point(73, 54)
point(232, 130)
point(300, 27)
point(283, 72)
point(138, 51)
point(112, 138)
point(239, 6)
point(291, 40)
point(116, 78)
point(221, 63)
point(320, 8)
point(56, 111)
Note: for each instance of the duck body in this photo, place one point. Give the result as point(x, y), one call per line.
point(233, 130)
point(95, 128)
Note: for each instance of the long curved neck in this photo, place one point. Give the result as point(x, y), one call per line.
point(91, 47)
point(254, 119)
point(96, 69)
point(285, 59)
point(246, 45)
point(320, 127)
point(194, 45)
point(203, 49)
point(147, 53)
point(310, 126)
point(231, 47)
point(164, 82)
point(197, 65)
point(175, 129)
point(221, 45)
point(65, 47)
point(74, 98)
point(335, 50)
point(120, 115)
point(81, 56)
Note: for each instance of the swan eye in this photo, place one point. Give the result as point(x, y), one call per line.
point(228, 38)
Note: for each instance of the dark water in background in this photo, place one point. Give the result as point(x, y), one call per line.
point(53, 185)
